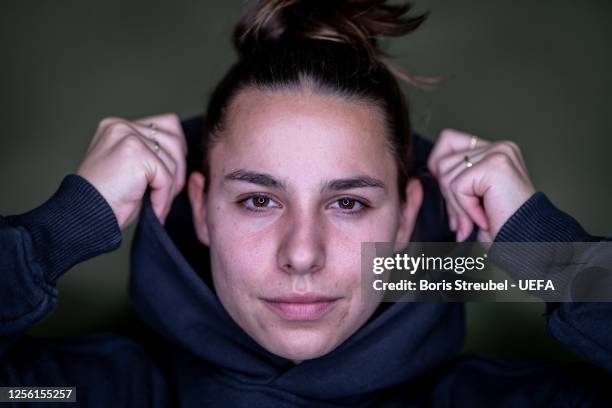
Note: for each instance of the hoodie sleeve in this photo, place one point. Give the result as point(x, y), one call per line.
point(584, 327)
point(37, 247)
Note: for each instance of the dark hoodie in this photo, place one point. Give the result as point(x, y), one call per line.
point(191, 352)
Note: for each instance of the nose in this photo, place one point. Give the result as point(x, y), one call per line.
point(302, 248)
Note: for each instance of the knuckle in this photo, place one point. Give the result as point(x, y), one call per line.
point(447, 133)
point(174, 147)
point(513, 145)
point(169, 121)
point(172, 118)
point(507, 146)
point(499, 159)
point(131, 144)
point(117, 127)
point(107, 121)
point(516, 150)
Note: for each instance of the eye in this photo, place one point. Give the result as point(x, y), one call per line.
point(349, 205)
point(258, 202)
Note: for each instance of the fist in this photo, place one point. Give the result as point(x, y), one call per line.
point(483, 182)
point(124, 157)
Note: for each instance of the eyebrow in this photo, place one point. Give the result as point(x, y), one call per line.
point(266, 180)
point(352, 182)
point(261, 179)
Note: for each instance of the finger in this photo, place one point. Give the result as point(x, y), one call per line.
point(450, 141)
point(508, 149)
point(162, 186)
point(167, 147)
point(174, 145)
point(450, 161)
point(459, 221)
point(168, 123)
point(156, 172)
point(468, 187)
point(470, 209)
point(109, 126)
point(168, 128)
point(473, 205)
point(447, 169)
point(452, 217)
point(127, 132)
point(512, 150)
point(166, 159)
point(112, 130)
point(450, 166)
point(462, 222)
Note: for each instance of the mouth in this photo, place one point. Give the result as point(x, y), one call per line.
point(306, 307)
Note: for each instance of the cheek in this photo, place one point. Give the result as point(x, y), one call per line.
point(240, 256)
point(344, 251)
point(381, 225)
point(344, 241)
point(238, 271)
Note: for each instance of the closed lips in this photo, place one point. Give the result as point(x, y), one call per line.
point(301, 307)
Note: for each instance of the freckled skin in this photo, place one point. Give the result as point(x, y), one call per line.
point(302, 241)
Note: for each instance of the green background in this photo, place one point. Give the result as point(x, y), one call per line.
point(536, 72)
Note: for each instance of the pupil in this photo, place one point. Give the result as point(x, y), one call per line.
point(347, 203)
point(260, 201)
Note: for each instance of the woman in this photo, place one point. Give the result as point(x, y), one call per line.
point(307, 152)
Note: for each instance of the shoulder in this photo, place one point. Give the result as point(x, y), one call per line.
point(105, 367)
point(477, 379)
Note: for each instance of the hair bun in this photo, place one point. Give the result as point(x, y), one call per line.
point(356, 22)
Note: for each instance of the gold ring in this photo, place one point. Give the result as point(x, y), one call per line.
point(473, 141)
point(467, 161)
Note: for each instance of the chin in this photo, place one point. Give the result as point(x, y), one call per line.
point(301, 344)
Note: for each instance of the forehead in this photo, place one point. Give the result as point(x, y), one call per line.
point(302, 130)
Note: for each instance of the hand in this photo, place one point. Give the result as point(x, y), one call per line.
point(487, 191)
point(124, 157)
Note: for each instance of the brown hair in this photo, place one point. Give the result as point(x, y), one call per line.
point(331, 45)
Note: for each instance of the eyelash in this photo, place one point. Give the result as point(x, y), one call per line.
point(363, 205)
point(243, 202)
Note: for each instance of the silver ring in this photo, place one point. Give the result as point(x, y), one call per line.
point(154, 130)
point(156, 146)
point(467, 161)
point(152, 138)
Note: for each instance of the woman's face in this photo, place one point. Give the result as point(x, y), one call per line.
point(298, 180)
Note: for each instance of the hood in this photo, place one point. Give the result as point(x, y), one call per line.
point(171, 290)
